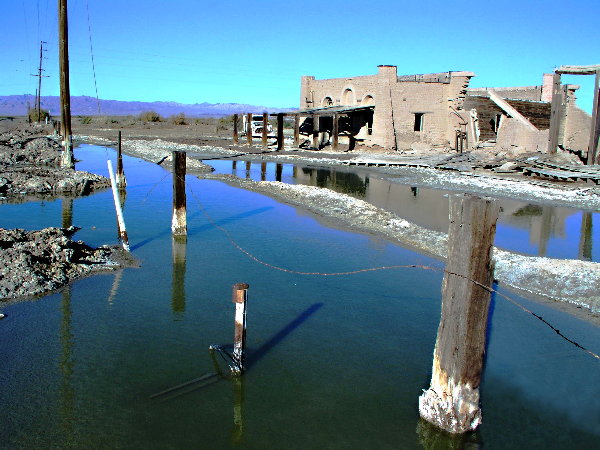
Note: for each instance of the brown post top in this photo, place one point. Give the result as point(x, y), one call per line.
point(239, 291)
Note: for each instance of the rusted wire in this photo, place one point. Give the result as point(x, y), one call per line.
point(374, 269)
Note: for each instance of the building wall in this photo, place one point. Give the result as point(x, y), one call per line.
point(397, 100)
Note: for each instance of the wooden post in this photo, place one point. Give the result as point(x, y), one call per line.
point(67, 159)
point(265, 129)
point(279, 132)
point(315, 136)
point(121, 181)
point(249, 128)
point(594, 144)
point(296, 130)
point(240, 295)
point(336, 132)
point(235, 129)
point(452, 400)
point(120, 220)
point(179, 222)
point(555, 113)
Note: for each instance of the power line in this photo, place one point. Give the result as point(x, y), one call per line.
point(92, 53)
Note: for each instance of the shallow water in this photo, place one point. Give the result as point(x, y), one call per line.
point(529, 228)
point(334, 362)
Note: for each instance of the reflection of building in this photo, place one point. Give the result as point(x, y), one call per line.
point(394, 111)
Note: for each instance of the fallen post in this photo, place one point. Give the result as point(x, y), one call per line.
point(179, 221)
point(452, 400)
point(120, 220)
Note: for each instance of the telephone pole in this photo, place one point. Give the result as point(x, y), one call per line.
point(65, 92)
point(38, 95)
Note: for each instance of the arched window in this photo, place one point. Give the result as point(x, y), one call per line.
point(368, 100)
point(348, 97)
point(327, 101)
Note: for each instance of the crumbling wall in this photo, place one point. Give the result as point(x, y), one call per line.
point(515, 137)
point(578, 124)
point(533, 93)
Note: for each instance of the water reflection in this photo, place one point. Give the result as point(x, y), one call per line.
point(67, 212)
point(178, 279)
point(539, 230)
point(66, 365)
point(432, 438)
point(239, 393)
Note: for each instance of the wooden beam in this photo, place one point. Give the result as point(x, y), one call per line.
point(265, 129)
point(512, 112)
point(578, 70)
point(452, 400)
point(280, 131)
point(593, 146)
point(555, 114)
point(235, 129)
point(315, 135)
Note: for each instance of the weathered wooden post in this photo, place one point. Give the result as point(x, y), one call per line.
point(279, 132)
point(336, 132)
point(179, 222)
point(120, 220)
point(296, 130)
point(240, 295)
point(265, 129)
point(315, 136)
point(593, 156)
point(452, 400)
point(67, 159)
point(249, 128)
point(235, 129)
point(121, 181)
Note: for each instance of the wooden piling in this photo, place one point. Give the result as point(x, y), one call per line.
point(315, 135)
point(240, 295)
point(120, 219)
point(67, 159)
point(296, 130)
point(179, 222)
point(121, 181)
point(555, 114)
point(279, 132)
point(249, 128)
point(336, 132)
point(452, 400)
point(235, 129)
point(594, 143)
point(265, 130)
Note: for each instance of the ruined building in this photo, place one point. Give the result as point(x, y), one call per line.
point(439, 111)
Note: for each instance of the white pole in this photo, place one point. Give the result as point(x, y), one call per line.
point(120, 220)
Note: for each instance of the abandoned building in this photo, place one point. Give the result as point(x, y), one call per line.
point(439, 111)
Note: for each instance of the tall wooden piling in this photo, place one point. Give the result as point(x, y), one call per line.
point(336, 132)
point(235, 129)
point(279, 132)
point(240, 295)
point(67, 159)
point(452, 400)
point(121, 181)
point(315, 135)
point(249, 128)
point(296, 130)
point(265, 130)
point(120, 219)
point(179, 222)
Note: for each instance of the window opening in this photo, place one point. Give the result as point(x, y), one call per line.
point(418, 122)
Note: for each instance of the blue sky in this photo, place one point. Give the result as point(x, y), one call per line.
point(255, 51)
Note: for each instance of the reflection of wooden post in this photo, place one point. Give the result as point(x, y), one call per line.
point(263, 171)
point(233, 167)
point(336, 132)
point(452, 401)
point(240, 295)
point(315, 136)
point(278, 171)
point(248, 167)
point(585, 240)
point(296, 130)
point(178, 279)
point(121, 181)
point(279, 132)
point(179, 221)
point(265, 129)
point(249, 128)
point(120, 220)
point(67, 212)
point(238, 410)
point(235, 129)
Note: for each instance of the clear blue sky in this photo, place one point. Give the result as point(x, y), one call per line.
point(255, 51)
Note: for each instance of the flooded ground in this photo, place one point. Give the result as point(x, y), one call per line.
point(536, 229)
point(334, 362)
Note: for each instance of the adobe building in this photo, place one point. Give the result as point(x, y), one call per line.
point(438, 111)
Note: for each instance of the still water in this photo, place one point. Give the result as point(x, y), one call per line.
point(529, 228)
point(334, 362)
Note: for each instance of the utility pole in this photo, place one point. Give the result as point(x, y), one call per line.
point(38, 95)
point(65, 93)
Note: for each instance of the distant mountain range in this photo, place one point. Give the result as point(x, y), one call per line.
point(16, 105)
